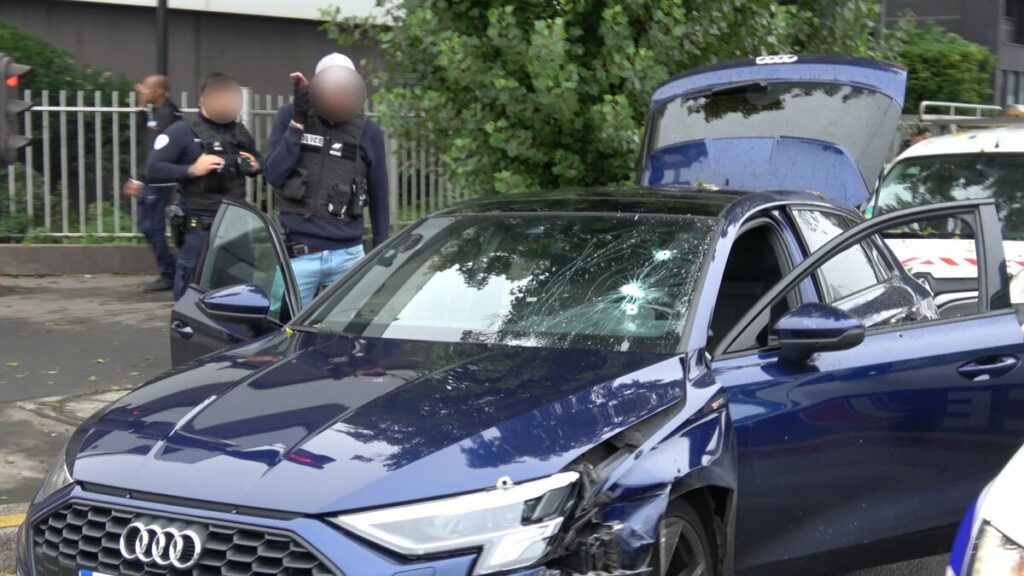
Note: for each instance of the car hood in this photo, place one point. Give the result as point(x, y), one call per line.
point(822, 125)
point(313, 423)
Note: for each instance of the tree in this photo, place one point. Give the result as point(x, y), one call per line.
point(944, 66)
point(52, 68)
point(540, 94)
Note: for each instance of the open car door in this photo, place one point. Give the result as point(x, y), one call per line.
point(858, 427)
point(244, 286)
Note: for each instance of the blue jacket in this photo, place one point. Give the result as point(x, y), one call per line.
point(177, 149)
point(283, 150)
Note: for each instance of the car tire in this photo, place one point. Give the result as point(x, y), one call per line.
point(684, 548)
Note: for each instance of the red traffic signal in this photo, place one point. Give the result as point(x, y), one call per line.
point(12, 140)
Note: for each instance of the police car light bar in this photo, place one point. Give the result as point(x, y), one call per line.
point(967, 115)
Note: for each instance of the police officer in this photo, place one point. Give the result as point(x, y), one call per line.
point(159, 113)
point(209, 157)
point(327, 162)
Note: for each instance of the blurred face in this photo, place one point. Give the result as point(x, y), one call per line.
point(151, 90)
point(222, 104)
point(338, 94)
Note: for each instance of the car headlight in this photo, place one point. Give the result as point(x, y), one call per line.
point(512, 525)
point(57, 478)
point(996, 555)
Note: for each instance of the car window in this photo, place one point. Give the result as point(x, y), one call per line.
point(849, 272)
point(756, 262)
point(241, 251)
point(614, 282)
point(925, 180)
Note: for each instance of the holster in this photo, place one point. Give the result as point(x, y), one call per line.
point(176, 221)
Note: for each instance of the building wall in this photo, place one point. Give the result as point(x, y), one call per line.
point(260, 51)
point(984, 22)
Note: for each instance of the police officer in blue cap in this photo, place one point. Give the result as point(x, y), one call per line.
point(209, 157)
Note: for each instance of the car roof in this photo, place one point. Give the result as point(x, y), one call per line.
point(988, 141)
point(674, 201)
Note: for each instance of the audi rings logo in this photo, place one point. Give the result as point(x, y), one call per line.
point(776, 59)
point(152, 544)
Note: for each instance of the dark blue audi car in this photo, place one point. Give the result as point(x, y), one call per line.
point(674, 379)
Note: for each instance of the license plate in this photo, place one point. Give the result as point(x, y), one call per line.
point(82, 572)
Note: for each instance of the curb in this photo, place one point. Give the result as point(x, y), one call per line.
point(52, 259)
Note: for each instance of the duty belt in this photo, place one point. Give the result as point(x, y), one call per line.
point(198, 223)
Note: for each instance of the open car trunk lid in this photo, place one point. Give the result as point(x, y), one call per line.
point(822, 125)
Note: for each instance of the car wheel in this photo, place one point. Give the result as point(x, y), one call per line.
point(683, 545)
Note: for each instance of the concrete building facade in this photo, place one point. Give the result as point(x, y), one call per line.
point(258, 41)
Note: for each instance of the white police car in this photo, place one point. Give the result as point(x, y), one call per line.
point(990, 541)
point(985, 163)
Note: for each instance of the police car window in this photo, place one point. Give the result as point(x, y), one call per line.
point(929, 180)
point(847, 273)
point(242, 252)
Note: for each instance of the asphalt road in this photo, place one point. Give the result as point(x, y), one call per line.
point(70, 344)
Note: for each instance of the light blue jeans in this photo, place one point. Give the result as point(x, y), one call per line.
point(320, 270)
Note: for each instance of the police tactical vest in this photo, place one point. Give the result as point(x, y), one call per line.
point(329, 179)
point(206, 192)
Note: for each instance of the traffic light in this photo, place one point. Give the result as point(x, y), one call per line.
point(11, 108)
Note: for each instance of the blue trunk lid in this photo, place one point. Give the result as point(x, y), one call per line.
point(822, 125)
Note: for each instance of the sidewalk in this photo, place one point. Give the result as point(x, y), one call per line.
point(68, 346)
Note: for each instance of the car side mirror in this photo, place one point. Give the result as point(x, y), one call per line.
point(243, 303)
point(813, 328)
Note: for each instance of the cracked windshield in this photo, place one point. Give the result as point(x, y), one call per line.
point(618, 282)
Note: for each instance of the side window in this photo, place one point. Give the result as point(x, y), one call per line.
point(847, 273)
point(241, 251)
point(757, 261)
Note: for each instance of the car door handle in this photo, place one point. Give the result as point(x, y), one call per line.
point(988, 368)
point(182, 329)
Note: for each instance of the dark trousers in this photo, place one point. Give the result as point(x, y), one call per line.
point(153, 224)
point(188, 259)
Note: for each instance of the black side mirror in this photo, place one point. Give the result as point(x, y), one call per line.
point(242, 303)
point(813, 328)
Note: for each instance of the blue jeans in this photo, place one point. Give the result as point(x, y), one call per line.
point(152, 219)
point(320, 270)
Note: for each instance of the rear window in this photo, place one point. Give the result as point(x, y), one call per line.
point(848, 116)
point(932, 179)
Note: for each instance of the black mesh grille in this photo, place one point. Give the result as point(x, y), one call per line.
point(87, 536)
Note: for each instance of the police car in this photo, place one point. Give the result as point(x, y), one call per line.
point(991, 537)
point(985, 163)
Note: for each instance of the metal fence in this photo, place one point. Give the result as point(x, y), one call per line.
point(85, 145)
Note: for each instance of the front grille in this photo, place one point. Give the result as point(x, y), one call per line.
point(80, 535)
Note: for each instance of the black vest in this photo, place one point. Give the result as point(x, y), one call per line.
point(329, 179)
point(206, 192)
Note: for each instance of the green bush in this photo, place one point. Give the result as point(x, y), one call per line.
point(54, 69)
point(943, 66)
point(540, 94)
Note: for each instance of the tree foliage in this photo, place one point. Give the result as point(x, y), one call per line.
point(540, 94)
point(943, 66)
point(54, 69)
